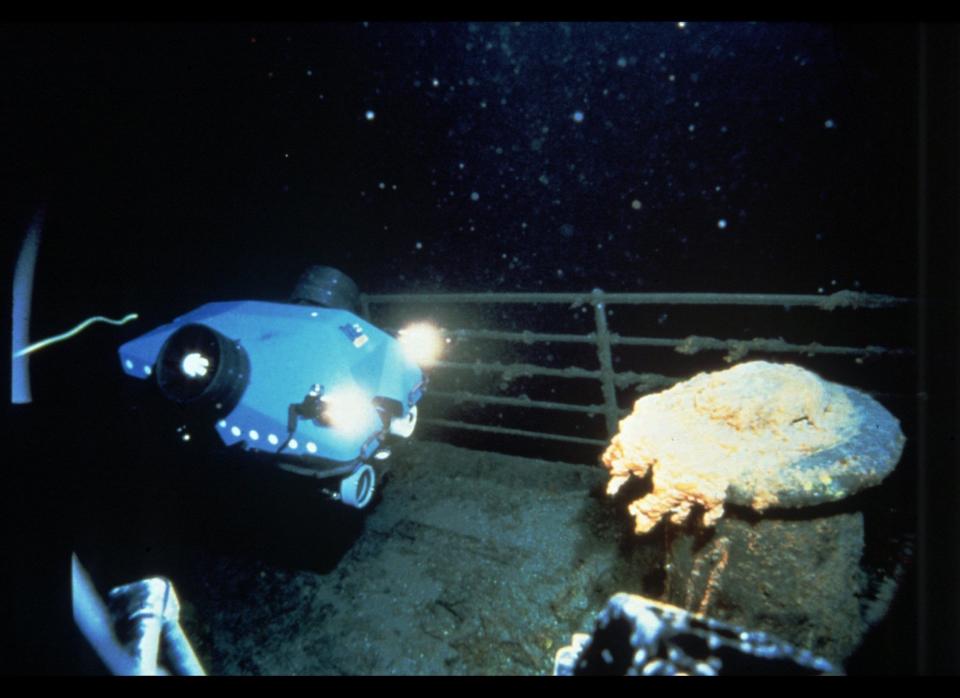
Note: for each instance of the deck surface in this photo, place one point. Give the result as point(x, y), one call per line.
point(470, 563)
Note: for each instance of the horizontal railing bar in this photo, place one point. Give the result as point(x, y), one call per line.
point(693, 343)
point(464, 396)
point(516, 370)
point(649, 381)
point(526, 337)
point(622, 378)
point(513, 432)
point(840, 299)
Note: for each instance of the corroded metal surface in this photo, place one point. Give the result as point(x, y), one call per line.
point(760, 434)
point(636, 636)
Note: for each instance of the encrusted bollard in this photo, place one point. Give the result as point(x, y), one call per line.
point(770, 438)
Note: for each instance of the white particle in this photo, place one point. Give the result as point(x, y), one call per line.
point(681, 25)
point(309, 73)
point(577, 116)
point(636, 205)
point(621, 62)
point(829, 123)
point(419, 245)
point(382, 185)
point(475, 196)
point(435, 82)
point(722, 223)
point(370, 115)
point(691, 128)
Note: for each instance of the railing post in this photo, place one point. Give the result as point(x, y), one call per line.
point(611, 411)
point(364, 306)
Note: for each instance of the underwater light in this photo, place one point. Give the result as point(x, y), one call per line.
point(348, 409)
point(422, 343)
point(199, 366)
point(195, 365)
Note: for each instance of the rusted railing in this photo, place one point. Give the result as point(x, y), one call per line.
point(603, 340)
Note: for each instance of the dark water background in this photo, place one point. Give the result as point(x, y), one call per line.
point(182, 163)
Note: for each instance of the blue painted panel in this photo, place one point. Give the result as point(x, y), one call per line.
point(290, 348)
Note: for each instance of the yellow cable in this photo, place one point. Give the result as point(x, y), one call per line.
point(67, 335)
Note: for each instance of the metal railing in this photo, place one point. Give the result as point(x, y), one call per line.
point(604, 341)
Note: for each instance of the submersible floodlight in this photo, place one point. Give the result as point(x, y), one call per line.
point(199, 366)
point(308, 385)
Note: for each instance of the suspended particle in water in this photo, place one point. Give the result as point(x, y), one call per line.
point(370, 115)
point(475, 196)
point(829, 123)
point(577, 117)
point(722, 223)
point(636, 205)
